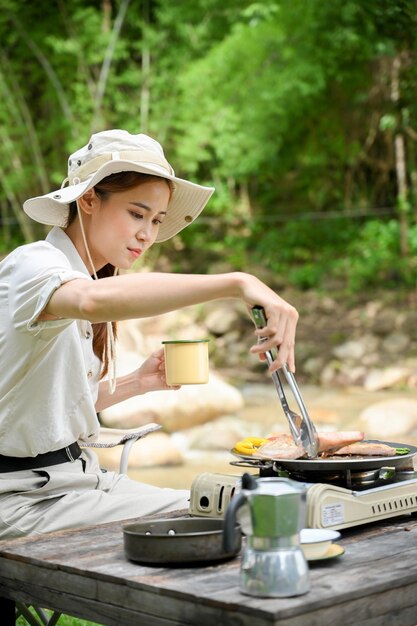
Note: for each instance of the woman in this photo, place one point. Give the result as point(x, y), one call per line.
point(59, 300)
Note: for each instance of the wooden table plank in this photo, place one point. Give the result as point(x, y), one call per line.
point(85, 573)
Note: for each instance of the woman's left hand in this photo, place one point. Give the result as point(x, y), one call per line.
point(151, 374)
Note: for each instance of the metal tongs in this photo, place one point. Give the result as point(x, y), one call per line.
point(301, 426)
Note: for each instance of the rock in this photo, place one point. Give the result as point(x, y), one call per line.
point(341, 374)
point(372, 309)
point(355, 375)
point(175, 410)
point(373, 358)
point(221, 320)
point(305, 350)
point(143, 336)
point(411, 365)
point(389, 418)
point(385, 322)
point(336, 340)
point(396, 343)
point(314, 365)
point(330, 373)
point(354, 350)
point(409, 325)
point(324, 419)
point(221, 434)
point(230, 346)
point(259, 394)
point(327, 305)
point(155, 449)
point(385, 378)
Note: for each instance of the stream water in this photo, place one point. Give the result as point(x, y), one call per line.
point(331, 409)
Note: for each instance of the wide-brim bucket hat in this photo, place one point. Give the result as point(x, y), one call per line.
point(112, 151)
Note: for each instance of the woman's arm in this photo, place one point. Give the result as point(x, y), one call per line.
point(143, 295)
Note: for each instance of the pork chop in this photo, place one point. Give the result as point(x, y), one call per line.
point(366, 448)
point(332, 441)
point(282, 445)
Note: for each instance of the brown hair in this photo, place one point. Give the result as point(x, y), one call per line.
point(121, 181)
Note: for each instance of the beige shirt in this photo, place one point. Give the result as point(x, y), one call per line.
point(48, 370)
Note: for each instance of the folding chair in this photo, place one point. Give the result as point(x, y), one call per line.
point(108, 438)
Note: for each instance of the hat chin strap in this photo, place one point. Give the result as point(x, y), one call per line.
point(110, 341)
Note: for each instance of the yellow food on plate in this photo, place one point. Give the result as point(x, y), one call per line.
point(249, 445)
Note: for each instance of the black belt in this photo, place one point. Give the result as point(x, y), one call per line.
point(15, 463)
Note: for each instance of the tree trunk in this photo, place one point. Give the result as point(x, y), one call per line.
point(5, 222)
point(23, 221)
point(146, 66)
point(400, 160)
point(105, 68)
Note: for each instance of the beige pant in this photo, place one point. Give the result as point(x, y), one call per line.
point(76, 494)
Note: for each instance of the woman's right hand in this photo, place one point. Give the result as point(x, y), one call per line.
point(281, 325)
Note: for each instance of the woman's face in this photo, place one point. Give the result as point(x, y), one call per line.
point(124, 225)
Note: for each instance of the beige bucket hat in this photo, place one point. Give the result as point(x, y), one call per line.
point(112, 151)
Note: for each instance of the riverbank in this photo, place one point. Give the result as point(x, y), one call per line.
point(362, 340)
point(356, 367)
point(206, 448)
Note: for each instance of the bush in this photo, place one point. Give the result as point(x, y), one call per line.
point(303, 251)
point(374, 258)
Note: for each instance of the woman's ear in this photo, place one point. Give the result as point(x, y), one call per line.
point(88, 202)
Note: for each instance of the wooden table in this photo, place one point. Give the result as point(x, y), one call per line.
point(85, 573)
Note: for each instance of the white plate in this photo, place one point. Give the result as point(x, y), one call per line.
point(315, 542)
point(316, 535)
point(334, 550)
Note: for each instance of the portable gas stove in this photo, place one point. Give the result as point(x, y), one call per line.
point(341, 491)
point(335, 499)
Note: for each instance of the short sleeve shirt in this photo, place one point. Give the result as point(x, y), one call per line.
point(48, 371)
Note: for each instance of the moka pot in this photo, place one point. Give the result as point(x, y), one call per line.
point(271, 513)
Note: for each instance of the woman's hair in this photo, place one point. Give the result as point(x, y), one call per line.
point(121, 181)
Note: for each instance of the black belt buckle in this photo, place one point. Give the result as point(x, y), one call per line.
point(73, 452)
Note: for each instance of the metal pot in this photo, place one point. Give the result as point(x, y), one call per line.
point(178, 541)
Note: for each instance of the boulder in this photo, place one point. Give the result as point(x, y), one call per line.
point(385, 377)
point(174, 409)
point(384, 322)
point(396, 343)
point(387, 419)
point(409, 325)
point(356, 349)
point(157, 449)
point(221, 434)
point(222, 320)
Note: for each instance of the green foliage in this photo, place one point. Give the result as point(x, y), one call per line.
point(373, 258)
point(64, 620)
point(356, 254)
point(6, 245)
point(285, 106)
point(303, 251)
point(264, 97)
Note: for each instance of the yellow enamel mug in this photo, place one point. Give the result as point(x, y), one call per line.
point(186, 362)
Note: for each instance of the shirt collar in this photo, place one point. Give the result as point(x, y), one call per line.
point(60, 240)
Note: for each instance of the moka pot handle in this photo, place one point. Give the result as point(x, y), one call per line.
point(229, 524)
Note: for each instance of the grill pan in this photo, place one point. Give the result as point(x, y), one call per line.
point(332, 464)
point(178, 541)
